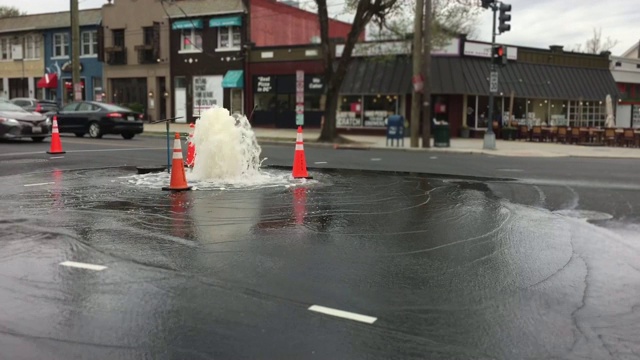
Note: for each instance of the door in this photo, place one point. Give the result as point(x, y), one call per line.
point(180, 96)
point(237, 105)
point(67, 119)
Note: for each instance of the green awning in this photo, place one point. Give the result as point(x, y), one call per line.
point(226, 21)
point(233, 79)
point(187, 24)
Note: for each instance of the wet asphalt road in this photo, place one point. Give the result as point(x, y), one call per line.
point(449, 266)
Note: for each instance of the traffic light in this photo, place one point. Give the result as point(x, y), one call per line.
point(500, 55)
point(504, 18)
point(487, 3)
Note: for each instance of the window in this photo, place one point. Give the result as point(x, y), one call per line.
point(229, 37)
point(70, 107)
point(89, 43)
point(191, 40)
point(32, 47)
point(118, 37)
point(148, 35)
point(60, 45)
point(5, 44)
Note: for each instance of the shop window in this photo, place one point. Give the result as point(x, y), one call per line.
point(312, 102)
point(229, 38)
point(471, 111)
point(377, 108)
point(191, 40)
point(285, 102)
point(482, 111)
point(350, 111)
point(265, 101)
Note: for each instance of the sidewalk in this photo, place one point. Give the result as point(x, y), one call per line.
point(458, 145)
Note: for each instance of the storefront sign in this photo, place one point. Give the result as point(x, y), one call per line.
point(316, 83)
point(635, 116)
point(346, 119)
point(299, 97)
point(264, 84)
point(484, 50)
point(207, 93)
point(375, 118)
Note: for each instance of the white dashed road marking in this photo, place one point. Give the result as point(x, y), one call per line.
point(511, 170)
point(83, 265)
point(375, 159)
point(57, 157)
point(343, 314)
point(320, 162)
point(39, 184)
point(433, 157)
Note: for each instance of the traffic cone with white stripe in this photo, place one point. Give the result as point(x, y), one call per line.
point(178, 177)
point(56, 144)
point(191, 148)
point(299, 161)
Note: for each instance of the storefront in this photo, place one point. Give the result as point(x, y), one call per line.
point(275, 100)
point(373, 89)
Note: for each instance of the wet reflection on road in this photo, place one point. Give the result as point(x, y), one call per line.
point(450, 268)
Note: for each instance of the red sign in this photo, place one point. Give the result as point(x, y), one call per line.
point(418, 83)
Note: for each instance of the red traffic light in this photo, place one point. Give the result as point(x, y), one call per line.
point(500, 51)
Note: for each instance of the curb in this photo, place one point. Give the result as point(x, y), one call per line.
point(367, 147)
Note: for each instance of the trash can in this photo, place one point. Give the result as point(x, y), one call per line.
point(441, 135)
point(395, 129)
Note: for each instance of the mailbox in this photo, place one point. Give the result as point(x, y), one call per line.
point(395, 129)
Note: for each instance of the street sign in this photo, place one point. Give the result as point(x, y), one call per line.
point(77, 89)
point(299, 98)
point(493, 82)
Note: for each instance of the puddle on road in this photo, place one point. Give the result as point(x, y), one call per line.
point(258, 180)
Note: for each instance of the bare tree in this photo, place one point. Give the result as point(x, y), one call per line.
point(449, 18)
point(10, 11)
point(596, 44)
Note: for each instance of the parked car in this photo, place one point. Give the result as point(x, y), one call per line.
point(36, 105)
point(16, 122)
point(98, 119)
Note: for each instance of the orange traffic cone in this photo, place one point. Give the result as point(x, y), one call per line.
point(56, 144)
point(178, 177)
point(299, 161)
point(191, 148)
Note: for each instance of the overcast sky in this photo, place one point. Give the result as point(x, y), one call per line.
point(538, 23)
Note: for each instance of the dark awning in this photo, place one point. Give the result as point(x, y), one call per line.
point(392, 76)
point(540, 81)
point(468, 75)
point(381, 75)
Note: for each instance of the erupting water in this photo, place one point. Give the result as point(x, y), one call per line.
point(226, 147)
point(227, 156)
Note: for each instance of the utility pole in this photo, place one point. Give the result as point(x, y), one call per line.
point(426, 98)
point(418, 80)
point(75, 50)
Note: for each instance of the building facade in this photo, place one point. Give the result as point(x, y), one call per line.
point(56, 84)
point(133, 44)
point(21, 55)
point(272, 89)
point(536, 86)
point(207, 57)
point(626, 72)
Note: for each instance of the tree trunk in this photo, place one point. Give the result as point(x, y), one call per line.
point(329, 130)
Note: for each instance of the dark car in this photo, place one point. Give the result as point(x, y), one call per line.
point(97, 119)
point(16, 122)
point(35, 105)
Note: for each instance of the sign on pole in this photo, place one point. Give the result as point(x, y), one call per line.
point(300, 97)
point(493, 82)
point(77, 90)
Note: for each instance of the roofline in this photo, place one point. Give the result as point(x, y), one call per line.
point(281, 4)
point(630, 50)
point(17, 30)
point(47, 13)
point(183, 16)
